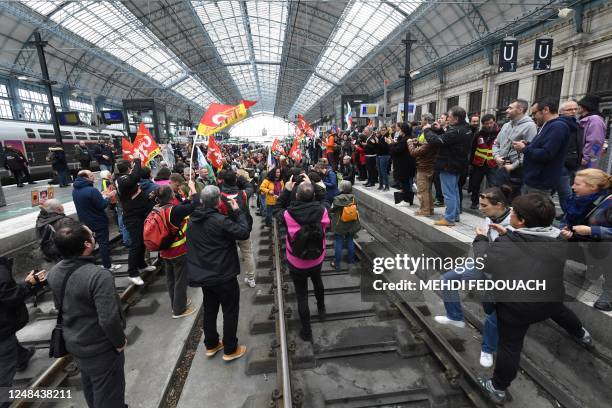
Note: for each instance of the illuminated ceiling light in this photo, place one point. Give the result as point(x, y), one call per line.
point(565, 12)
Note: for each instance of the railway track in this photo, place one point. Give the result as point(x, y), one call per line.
point(382, 353)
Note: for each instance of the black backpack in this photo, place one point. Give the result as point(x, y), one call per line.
point(308, 242)
point(47, 243)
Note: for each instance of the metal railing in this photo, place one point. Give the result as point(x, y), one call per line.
point(282, 361)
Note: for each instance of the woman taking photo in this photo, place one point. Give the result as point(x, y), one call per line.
point(588, 219)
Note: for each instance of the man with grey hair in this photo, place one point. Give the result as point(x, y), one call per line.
point(509, 161)
point(48, 221)
point(573, 156)
point(213, 264)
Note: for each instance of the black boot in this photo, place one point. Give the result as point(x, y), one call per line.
point(604, 302)
point(305, 335)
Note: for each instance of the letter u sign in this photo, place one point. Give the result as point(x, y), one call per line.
point(543, 51)
point(509, 52)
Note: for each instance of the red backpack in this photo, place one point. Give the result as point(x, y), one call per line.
point(158, 233)
point(241, 200)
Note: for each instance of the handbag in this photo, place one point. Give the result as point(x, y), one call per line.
point(57, 346)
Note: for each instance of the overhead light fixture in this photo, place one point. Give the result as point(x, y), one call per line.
point(565, 12)
point(414, 73)
point(23, 77)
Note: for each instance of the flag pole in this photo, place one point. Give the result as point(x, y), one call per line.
point(191, 158)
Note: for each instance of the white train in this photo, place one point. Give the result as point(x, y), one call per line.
point(33, 139)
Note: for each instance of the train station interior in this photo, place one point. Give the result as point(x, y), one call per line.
point(422, 129)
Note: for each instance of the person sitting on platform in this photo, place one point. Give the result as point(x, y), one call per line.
point(532, 250)
point(307, 221)
point(495, 205)
point(213, 265)
point(48, 221)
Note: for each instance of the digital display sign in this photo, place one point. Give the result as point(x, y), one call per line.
point(112, 116)
point(68, 118)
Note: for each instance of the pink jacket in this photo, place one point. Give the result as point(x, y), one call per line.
point(292, 229)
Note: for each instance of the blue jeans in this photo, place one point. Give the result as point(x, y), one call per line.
point(125, 235)
point(350, 244)
point(269, 211)
point(262, 204)
point(382, 165)
point(454, 311)
point(564, 189)
point(62, 176)
point(450, 190)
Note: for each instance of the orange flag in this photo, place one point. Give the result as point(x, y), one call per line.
point(214, 155)
point(218, 116)
point(127, 149)
point(144, 145)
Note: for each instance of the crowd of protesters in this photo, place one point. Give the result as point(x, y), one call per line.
point(510, 174)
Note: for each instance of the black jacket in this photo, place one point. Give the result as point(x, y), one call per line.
point(348, 172)
point(58, 161)
point(455, 145)
point(14, 160)
point(82, 153)
point(13, 311)
point(403, 162)
point(136, 205)
point(104, 150)
point(244, 206)
point(521, 256)
point(575, 145)
point(212, 256)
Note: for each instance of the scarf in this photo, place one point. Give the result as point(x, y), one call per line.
point(277, 188)
point(579, 206)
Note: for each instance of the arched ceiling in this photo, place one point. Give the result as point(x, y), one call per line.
point(287, 55)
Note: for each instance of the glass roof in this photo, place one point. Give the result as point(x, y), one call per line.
point(113, 28)
point(362, 27)
point(191, 88)
point(226, 24)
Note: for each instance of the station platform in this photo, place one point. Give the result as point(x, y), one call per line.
point(402, 230)
point(18, 217)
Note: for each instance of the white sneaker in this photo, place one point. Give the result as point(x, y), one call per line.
point(149, 268)
point(250, 282)
point(446, 320)
point(486, 359)
point(114, 267)
point(136, 280)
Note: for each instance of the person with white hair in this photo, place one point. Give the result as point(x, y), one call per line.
point(48, 221)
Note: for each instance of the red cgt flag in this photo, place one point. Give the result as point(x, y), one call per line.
point(277, 148)
point(214, 155)
point(144, 145)
point(127, 149)
point(219, 116)
point(295, 153)
point(304, 126)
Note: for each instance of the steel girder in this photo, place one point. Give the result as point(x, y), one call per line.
point(247, 25)
point(29, 16)
point(472, 14)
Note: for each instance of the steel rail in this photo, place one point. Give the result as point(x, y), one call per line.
point(283, 370)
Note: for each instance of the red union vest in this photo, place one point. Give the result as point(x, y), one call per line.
point(179, 246)
point(484, 153)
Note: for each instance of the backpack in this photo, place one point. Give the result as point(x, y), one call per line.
point(350, 213)
point(308, 242)
point(241, 199)
point(47, 243)
point(158, 233)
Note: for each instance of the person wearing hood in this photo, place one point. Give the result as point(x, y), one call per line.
point(594, 128)
point(307, 221)
point(213, 264)
point(530, 249)
point(544, 156)
point(588, 220)
point(229, 190)
point(91, 206)
point(482, 161)
point(519, 127)
point(48, 221)
point(344, 230)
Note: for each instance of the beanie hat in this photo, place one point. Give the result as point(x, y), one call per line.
point(590, 103)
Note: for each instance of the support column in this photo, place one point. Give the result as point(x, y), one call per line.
point(16, 106)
